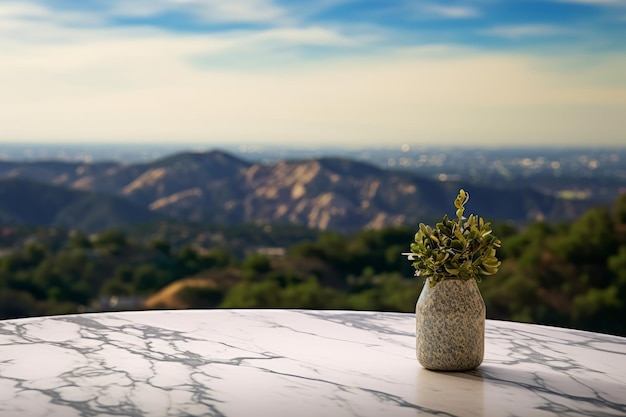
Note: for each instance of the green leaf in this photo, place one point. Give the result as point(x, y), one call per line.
point(450, 270)
point(463, 248)
point(457, 244)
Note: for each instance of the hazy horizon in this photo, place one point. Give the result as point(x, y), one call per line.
point(202, 146)
point(335, 73)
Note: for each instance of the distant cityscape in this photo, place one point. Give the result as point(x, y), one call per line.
point(567, 172)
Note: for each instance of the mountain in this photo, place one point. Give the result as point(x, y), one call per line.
point(326, 193)
point(28, 202)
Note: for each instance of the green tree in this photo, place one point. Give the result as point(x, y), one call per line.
point(619, 209)
point(591, 238)
point(16, 304)
point(255, 266)
point(160, 245)
point(388, 292)
point(113, 241)
point(201, 296)
point(79, 240)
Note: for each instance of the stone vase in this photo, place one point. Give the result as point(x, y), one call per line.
point(450, 325)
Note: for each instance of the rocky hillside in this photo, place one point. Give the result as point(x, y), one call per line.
point(327, 193)
point(28, 202)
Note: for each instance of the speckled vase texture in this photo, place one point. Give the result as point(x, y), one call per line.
point(450, 326)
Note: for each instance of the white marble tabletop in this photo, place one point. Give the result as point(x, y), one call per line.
point(295, 363)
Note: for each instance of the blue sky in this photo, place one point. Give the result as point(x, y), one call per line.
point(348, 73)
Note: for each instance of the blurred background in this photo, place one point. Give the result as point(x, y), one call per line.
point(268, 153)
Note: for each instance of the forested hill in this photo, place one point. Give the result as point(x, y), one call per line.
point(218, 188)
point(25, 202)
point(570, 274)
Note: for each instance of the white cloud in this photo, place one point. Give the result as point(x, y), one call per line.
point(118, 88)
point(304, 36)
point(207, 10)
point(524, 31)
point(82, 84)
point(451, 12)
point(18, 10)
point(16, 15)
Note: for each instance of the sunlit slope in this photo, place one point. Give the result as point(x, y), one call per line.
point(326, 193)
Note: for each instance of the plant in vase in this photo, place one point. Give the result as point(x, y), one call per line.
point(450, 312)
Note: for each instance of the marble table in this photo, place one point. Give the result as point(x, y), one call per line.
point(294, 363)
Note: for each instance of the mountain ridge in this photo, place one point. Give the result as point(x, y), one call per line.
point(23, 201)
point(328, 193)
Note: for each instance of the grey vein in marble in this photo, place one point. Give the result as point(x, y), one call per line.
point(295, 363)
